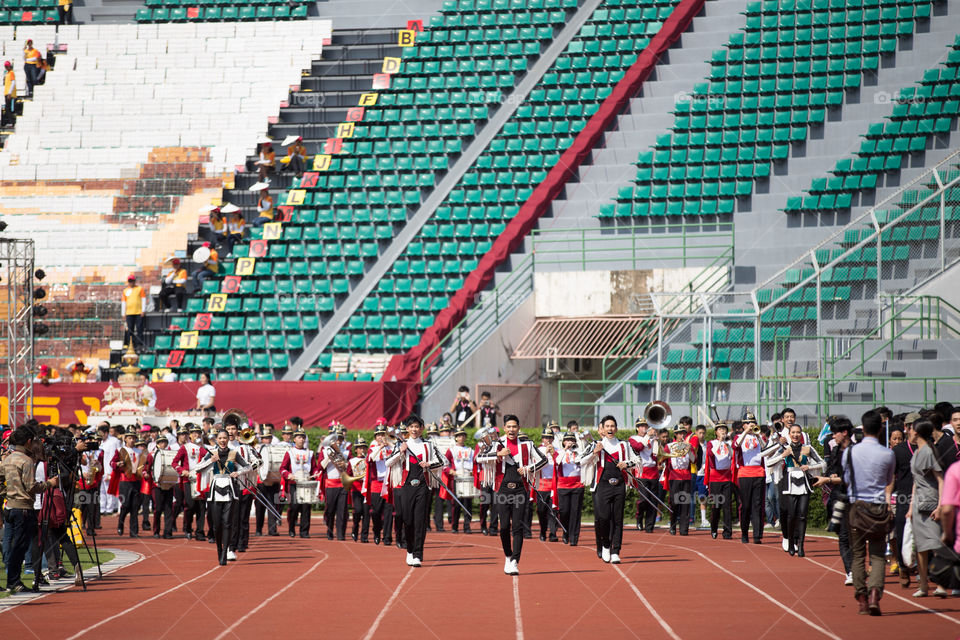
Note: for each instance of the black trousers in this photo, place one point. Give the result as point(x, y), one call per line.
point(843, 540)
point(511, 509)
point(22, 524)
point(547, 522)
point(146, 502)
point(66, 14)
point(89, 504)
point(177, 503)
point(646, 511)
point(130, 504)
point(163, 504)
point(57, 537)
point(416, 501)
point(752, 497)
point(486, 507)
point(398, 525)
point(528, 519)
point(9, 110)
point(335, 511)
point(794, 511)
point(361, 516)
point(571, 510)
point(180, 293)
point(241, 523)
point(899, 522)
point(270, 494)
point(299, 512)
point(681, 497)
point(440, 507)
point(193, 509)
point(721, 501)
point(381, 515)
point(608, 501)
point(134, 330)
point(221, 516)
point(32, 73)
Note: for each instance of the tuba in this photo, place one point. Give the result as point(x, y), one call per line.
point(658, 414)
point(341, 463)
point(237, 416)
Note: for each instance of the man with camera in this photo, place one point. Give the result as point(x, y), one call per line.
point(19, 471)
point(833, 481)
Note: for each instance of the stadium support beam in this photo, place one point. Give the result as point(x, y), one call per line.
point(17, 270)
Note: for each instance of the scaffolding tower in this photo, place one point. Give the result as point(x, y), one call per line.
point(16, 349)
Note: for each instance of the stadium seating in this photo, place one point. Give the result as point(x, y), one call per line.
point(29, 12)
point(220, 10)
point(791, 63)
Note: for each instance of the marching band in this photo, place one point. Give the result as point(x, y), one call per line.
point(392, 484)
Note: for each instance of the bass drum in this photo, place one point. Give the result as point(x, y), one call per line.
point(270, 467)
point(164, 475)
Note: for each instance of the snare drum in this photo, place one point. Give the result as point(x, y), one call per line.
point(306, 492)
point(464, 487)
point(164, 475)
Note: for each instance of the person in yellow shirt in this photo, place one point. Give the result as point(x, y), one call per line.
point(133, 297)
point(296, 156)
point(210, 267)
point(66, 11)
point(9, 95)
point(266, 161)
point(78, 371)
point(264, 209)
point(47, 376)
point(32, 64)
point(174, 282)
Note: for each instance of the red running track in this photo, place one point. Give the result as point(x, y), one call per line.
point(667, 587)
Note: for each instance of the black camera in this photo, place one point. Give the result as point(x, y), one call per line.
point(837, 514)
point(60, 453)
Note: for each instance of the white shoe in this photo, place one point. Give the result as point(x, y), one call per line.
point(416, 562)
point(614, 559)
point(231, 555)
point(776, 523)
point(514, 569)
point(785, 545)
point(508, 566)
point(605, 554)
point(849, 581)
point(409, 559)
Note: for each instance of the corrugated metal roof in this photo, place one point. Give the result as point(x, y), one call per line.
point(591, 337)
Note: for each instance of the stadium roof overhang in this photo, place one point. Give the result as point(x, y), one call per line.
point(588, 337)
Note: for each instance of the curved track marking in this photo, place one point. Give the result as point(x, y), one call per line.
point(383, 612)
point(517, 618)
point(140, 604)
point(260, 606)
point(646, 603)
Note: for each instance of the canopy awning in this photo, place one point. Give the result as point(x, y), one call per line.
point(591, 337)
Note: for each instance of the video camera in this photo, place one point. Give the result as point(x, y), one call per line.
point(60, 452)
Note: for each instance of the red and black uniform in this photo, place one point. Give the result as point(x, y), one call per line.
point(125, 484)
point(486, 498)
point(194, 493)
point(88, 493)
point(298, 464)
point(546, 490)
point(375, 493)
point(162, 499)
point(750, 477)
point(718, 477)
point(336, 499)
point(645, 448)
point(679, 481)
point(361, 509)
point(569, 493)
point(416, 492)
point(609, 488)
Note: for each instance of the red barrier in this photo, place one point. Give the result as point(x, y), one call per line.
point(356, 404)
point(406, 367)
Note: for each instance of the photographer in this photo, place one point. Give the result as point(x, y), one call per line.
point(19, 471)
point(842, 430)
point(60, 459)
point(463, 407)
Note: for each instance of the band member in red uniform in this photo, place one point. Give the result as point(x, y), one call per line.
point(719, 480)
point(299, 465)
point(545, 488)
point(331, 488)
point(416, 458)
point(646, 447)
point(751, 479)
point(162, 493)
point(516, 465)
point(678, 480)
point(374, 485)
point(569, 494)
point(223, 465)
point(361, 510)
point(125, 482)
point(185, 463)
point(612, 459)
point(88, 484)
point(460, 470)
point(396, 491)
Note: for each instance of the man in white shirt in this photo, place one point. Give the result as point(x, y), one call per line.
point(108, 503)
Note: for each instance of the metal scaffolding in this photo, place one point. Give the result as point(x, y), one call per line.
point(16, 349)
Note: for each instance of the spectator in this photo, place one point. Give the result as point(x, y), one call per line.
point(9, 95)
point(264, 209)
point(66, 11)
point(950, 508)
point(216, 227)
point(78, 371)
point(132, 298)
point(210, 267)
point(296, 156)
point(945, 409)
point(174, 283)
point(924, 503)
point(236, 227)
point(206, 395)
point(266, 160)
point(902, 487)
point(945, 447)
point(32, 64)
point(868, 470)
point(47, 376)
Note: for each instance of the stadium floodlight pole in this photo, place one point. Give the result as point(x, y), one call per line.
point(17, 258)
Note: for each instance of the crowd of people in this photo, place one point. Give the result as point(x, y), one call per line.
point(890, 485)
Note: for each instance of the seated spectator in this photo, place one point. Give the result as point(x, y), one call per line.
point(296, 156)
point(266, 161)
point(210, 267)
point(173, 282)
point(216, 227)
point(236, 227)
point(47, 376)
point(264, 209)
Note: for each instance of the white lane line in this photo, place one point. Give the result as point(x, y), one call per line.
point(268, 600)
point(646, 603)
point(796, 615)
point(140, 604)
point(386, 608)
point(887, 592)
point(517, 618)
